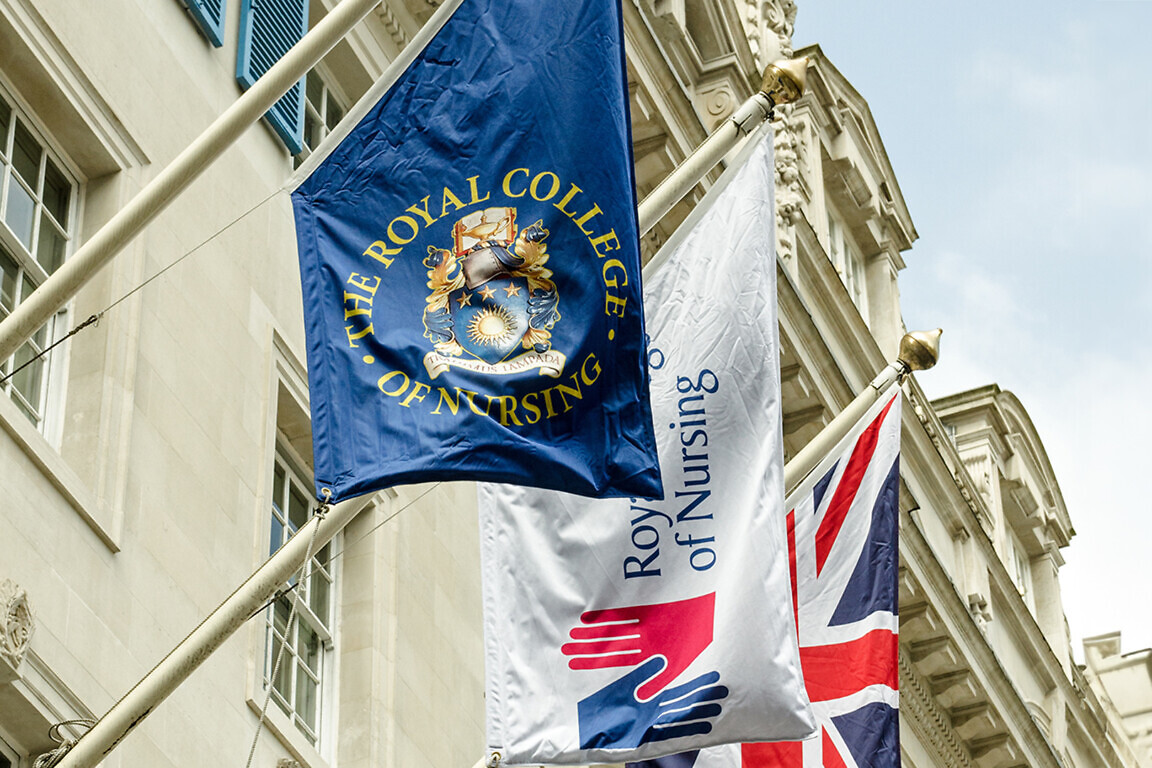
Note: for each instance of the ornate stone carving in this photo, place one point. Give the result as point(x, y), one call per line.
point(780, 17)
point(392, 25)
point(719, 104)
point(287, 762)
point(978, 607)
point(769, 24)
point(649, 244)
point(16, 624)
point(789, 200)
point(927, 717)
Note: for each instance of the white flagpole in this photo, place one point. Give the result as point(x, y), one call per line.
point(783, 83)
point(918, 352)
point(260, 587)
point(78, 269)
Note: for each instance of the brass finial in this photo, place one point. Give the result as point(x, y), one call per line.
point(784, 80)
point(920, 350)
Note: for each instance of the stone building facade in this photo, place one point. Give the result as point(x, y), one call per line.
point(152, 461)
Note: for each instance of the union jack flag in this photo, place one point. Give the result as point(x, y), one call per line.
point(842, 543)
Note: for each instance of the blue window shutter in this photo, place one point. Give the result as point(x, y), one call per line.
point(209, 14)
point(268, 28)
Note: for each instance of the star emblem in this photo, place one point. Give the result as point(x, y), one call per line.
point(487, 292)
point(465, 300)
point(512, 289)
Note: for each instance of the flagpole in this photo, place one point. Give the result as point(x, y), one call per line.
point(186, 657)
point(82, 266)
point(783, 83)
point(918, 352)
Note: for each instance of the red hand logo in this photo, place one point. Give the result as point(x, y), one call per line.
point(623, 637)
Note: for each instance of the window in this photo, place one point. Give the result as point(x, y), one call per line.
point(1019, 568)
point(37, 206)
point(9, 757)
point(308, 645)
point(209, 16)
point(268, 29)
point(323, 109)
point(848, 262)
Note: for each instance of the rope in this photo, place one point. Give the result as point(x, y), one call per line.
point(94, 319)
point(54, 756)
point(321, 512)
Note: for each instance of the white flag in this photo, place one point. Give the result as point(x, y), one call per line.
point(619, 629)
point(843, 521)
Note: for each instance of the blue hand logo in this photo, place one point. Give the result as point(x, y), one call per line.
point(613, 718)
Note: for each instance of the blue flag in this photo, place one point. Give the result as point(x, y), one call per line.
point(469, 254)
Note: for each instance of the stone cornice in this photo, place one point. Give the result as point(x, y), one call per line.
point(932, 723)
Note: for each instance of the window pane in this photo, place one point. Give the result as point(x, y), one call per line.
point(50, 245)
point(57, 193)
point(5, 119)
point(26, 153)
point(335, 114)
point(29, 381)
point(308, 648)
point(297, 509)
point(318, 595)
point(281, 617)
point(40, 338)
point(277, 538)
point(20, 213)
point(311, 131)
point(278, 487)
point(283, 683)
point(315, 90)
point(8, 273)
point(306, 696)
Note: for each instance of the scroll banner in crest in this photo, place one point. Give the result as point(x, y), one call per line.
point(621, 629)
point(470, 263)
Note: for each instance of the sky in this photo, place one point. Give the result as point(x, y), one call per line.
point(1020, 133)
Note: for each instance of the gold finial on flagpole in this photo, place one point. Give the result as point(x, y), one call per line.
point(784, 80)
point(920, 350)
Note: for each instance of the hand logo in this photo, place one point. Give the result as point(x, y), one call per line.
point(622, 637)
point(615, 718)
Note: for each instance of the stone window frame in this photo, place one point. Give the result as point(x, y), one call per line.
point(292, 506)
point(849, 262)
point(38, 390)
point(288, 435)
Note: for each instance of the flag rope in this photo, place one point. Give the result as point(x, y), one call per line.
point(95, 319)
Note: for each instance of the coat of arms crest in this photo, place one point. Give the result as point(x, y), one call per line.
point(492, 304)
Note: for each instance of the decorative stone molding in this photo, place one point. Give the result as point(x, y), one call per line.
point(929, 718)
point(16, 623)
point(769, 25)
point(392, 25)
point(649, 244)
point(287, 762)
point(978, 607)
point(717, 103)
point(789, 200)
point(979, 468)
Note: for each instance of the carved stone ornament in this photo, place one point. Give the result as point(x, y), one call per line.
point(768, 24)
point(287, 762)
point(16, 623)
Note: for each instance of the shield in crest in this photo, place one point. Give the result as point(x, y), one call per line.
point(491, 318)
